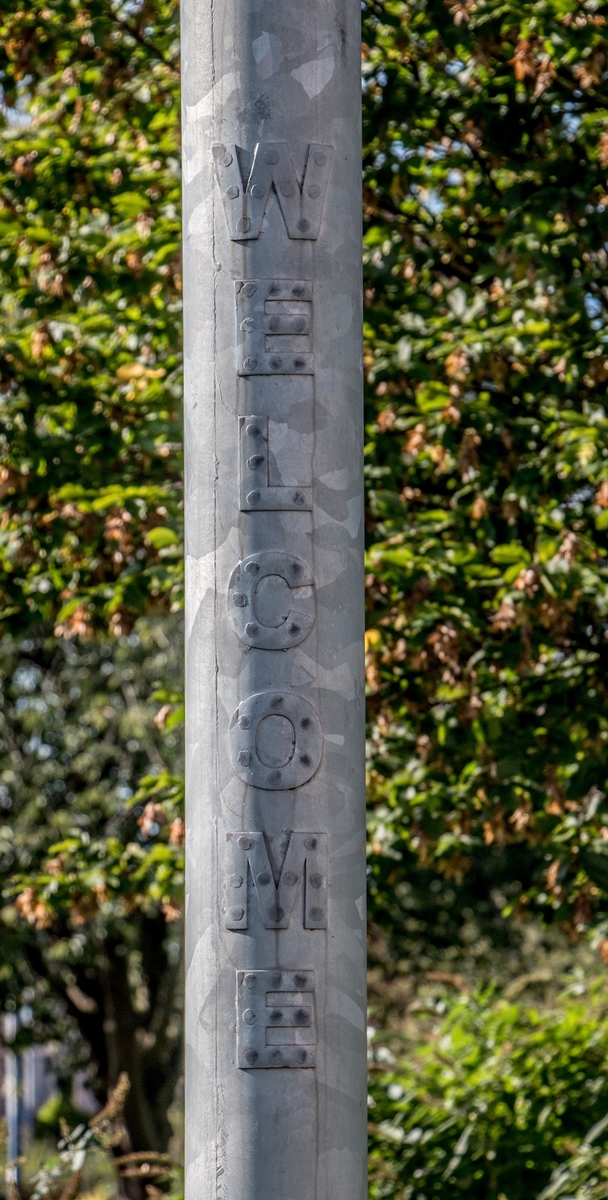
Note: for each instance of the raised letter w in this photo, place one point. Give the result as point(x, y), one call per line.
point(245, 189)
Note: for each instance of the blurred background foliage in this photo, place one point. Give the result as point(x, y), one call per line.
point(485, 196)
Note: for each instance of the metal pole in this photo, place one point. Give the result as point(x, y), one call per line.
point(275, 1070)
point(11, 1098)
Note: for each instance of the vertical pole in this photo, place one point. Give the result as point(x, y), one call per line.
point(275, 1015)
point(11, 1098)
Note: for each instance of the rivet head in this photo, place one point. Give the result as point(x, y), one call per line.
point(274, 776)
point(258, 191)
point(248, 325)
point(299, 324)
point(253, 430)
point(251, 1057)
point(244, 758)
point(244, 722)
point(310, 843)
point(290, 878)
point(305, 723)
point(252, 630)
point(317, 914)
point(244, 843)
point(314, 192)
point(276, 702)
point(237, 914)
point(275, 1016)
point(300, 1056)
point(255, 461)
point(222, 156)
point(274, 289)
point(249, 289)
point(316, 880)
point(303, 225)
point(297, 498)
point(243, 224)
point(252, 568)
point(236, 881)
point(274, 324)
point(299, 979)
point(295, 568)
point(276, 1058)
point(239, 600)
point(249, 1016)
point(232, 191)
point(250, 364)
point(320, 159)
point(276, 980)
point(276, 914)
point(251, 981)
point(299, 364)
point(271, 157)
point(298, 289)
point(288, 189)
point(253, 498)
point(301, 1016)
point(263, 879)
point(275, 363)
point(293, 629)
point(305, 760)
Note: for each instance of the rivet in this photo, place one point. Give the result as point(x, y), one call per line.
point(248, 325)
point(244, 722)
point(219, 152)
point(300, 1056)
point(244, 758)
point(299, 324)
point(244, 843)
point(249, 289)
point(236, 914)
point(310, 843)
point(253, 498)
point(258, 191)
point(249, 1016)
point(314, 192)
point(301, 1016)
point(276, 363)
point(305, 760)
point(290, 878)
point(255, 461)
point(305, 723)
point(271, 157)
point(320, 159)
point(263, 878)
point(276, 1058)
point(317, 914)
point(251, 1057)
point(251, 981)
point(235, 881)
point(274, 289)
point(239, 599)
point(303, 225)
point(299, 363)
point(274, 324)
point(244, 224)
point(276, 702)
point(275, 1016)
point(297, 498)
point(316, 880)
point(293, 629)
point(299, 979)
point(274, 776)
point(298, 289)
point(232, 191)
point(252, 630)
point(250, 364)
point(288, 189)
point(252, 568)
point(253, 430)
point(295, 568)
point(276, 980)
point(276, 914)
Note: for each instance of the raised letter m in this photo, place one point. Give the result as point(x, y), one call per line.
point(306, 856)
point(245, 186)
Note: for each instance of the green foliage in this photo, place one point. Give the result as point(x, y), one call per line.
point(90, 313)
point(485, 195)
point(503, 1101)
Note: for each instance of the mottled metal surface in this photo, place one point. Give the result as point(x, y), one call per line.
point(274, 609)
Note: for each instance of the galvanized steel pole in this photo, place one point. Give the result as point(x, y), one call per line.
point(275, 1070)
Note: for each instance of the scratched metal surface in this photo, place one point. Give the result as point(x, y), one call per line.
point(287, 356)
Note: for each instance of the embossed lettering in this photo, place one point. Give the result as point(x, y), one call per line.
point(277, 620)
point(256, 492)
point(305, 859)
point(245, 192)
point(276, 740)
point(276, 1024)
point(273, 324)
